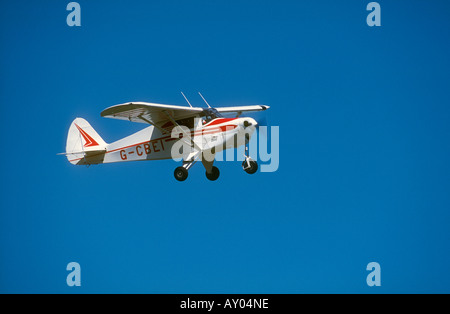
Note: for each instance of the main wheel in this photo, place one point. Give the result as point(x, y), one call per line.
point(180, 174)
point(214, 175)
point(250, 169)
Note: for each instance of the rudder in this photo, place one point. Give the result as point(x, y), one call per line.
point(82, 141)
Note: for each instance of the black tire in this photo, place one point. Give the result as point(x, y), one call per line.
point(180, 174)
point(253, 166)
point(214, 175)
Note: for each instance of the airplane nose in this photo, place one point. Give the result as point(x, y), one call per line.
point(250, 122)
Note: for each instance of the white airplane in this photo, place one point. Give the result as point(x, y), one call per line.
point(200, 132)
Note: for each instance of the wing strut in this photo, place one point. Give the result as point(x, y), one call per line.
point(186, 99)
point(204, 100)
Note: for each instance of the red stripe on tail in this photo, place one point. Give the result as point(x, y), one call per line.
point(87, 138)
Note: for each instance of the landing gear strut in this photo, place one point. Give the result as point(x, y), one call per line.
point(249, 165)
point(181, 173)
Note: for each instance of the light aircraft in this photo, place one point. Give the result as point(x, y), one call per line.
point(204, 130)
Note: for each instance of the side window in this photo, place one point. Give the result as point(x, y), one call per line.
point(189, 122)
point(209, 118)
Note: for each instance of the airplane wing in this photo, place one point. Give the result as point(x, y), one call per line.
point(158, 114)
point(144, 112)
point(240, 109)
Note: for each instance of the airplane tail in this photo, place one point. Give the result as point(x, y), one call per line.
point(84, 145)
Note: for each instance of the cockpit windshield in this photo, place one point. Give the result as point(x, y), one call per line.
point(211, 114)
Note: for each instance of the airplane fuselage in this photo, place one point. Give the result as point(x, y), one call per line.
point(154, 143)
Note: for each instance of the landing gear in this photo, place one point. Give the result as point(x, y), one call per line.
point(180, 173)
point(214, 174)
point(249, 165)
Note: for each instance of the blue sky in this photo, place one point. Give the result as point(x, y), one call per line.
point(364, 174)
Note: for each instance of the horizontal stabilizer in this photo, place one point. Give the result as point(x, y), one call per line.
point(99, 151)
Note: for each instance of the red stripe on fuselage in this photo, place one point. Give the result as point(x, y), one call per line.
point(219, 121)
